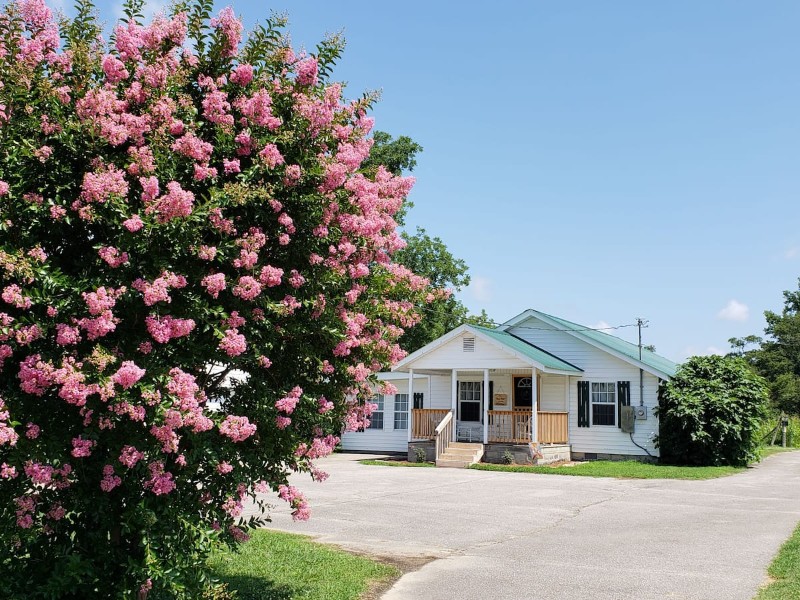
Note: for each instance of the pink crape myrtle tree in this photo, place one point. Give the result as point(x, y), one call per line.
point(177, 204)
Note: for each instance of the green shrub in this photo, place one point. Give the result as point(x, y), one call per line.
point(711, 412)
point(508, 457)
point(420, 454)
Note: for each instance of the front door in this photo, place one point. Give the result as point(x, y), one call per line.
point(470, 395)
point(523, 393)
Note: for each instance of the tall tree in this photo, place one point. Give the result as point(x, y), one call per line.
point(777, 356)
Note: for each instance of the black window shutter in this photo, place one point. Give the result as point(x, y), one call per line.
point(583, 404)
point(491, 395)
point(418, 399)
point(623, 398)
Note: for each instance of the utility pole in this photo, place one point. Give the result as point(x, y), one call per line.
point(641, 323)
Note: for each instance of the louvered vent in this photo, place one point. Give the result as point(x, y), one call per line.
point(469, 344)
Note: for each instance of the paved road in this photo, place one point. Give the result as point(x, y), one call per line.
point(523, 536)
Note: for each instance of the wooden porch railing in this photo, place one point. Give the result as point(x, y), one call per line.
point(552, 427)
point(514, 426)
point(443, 434)
point(424, 422)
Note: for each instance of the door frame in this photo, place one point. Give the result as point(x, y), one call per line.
point(514, 399)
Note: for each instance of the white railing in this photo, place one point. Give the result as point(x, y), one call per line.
point(443, 434)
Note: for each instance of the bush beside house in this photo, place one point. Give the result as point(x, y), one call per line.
point(711, 412)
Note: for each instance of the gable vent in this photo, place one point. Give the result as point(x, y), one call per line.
point(469, 344)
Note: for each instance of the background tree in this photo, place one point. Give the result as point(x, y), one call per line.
point(777, 356)
point(175, 206)
point(711, 411)
point(425, 255)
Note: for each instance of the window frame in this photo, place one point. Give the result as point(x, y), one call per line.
point(467, 391)
point(611, 393)
point(400, 415)
point(380, 400)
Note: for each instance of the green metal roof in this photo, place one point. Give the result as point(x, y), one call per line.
point(514, 343)
point(651, 359)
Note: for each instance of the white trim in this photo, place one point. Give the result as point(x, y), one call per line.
point(447, 337)
point(410, 402)
point(530, 313)
point(454, 400)
point(534, 408)
point(485, 406)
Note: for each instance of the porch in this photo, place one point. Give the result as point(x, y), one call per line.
point(503, 426)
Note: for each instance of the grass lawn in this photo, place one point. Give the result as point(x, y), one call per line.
point(283, 566)
point(395, 463)
point(623, 469)
point(785, 571)
point(770, 450)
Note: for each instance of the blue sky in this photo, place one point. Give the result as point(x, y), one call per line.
point(597, 161)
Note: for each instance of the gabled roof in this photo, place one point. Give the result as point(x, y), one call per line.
point(650, 361)
point(533, 355)
point(546, 359)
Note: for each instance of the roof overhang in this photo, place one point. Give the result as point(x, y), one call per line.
point(407, 363)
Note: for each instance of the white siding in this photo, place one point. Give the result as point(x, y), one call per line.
point(598, 365)
point(552, 394)
point(387, 439)
point(451, 355)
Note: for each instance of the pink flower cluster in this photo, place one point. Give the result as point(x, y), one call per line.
point(82, 448)
point(301, 510)
point(110, 480)
point(236, 428)
point(12, 294)
point(233, 343)
point(158, 290)
point(7, 434)
point(160, 482)
point(128, 374)
point(165, 328)
point(214, 283)
point(288, 403)
point(113, 256)
point(129, 456)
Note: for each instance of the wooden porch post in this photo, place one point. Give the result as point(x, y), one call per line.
point(485, 406)
point(534, 408)
point(454, 400)
point(410, 401)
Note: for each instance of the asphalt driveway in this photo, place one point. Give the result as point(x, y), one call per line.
point(515, 535)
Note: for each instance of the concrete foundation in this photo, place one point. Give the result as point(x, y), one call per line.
point(602, 456)
point(428, 446)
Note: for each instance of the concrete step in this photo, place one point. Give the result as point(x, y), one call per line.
point(461, 452)
point(453, 464)
point(464, 445)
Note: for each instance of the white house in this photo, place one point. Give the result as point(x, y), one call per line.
point(477, 385)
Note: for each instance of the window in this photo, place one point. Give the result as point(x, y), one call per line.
point(469, 400)
point(401, 411)
point(376, 418)
point(604, 403)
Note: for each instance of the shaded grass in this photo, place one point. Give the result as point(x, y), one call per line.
point(785, 572)
point(395, 463)
point(282, 566)
point(623, 469)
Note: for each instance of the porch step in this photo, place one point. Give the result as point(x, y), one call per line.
point(460, 455)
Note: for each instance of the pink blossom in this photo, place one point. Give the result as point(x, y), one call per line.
point(81, 447)
point(112, 256)
point(133, 224)
point(160, 482)
point(247, 288)
point(165, 328)
point(176, 203)
point(130, 456)
point(242, 75)
point(214, 283)
point(270, 276)
point(99, 186)
point(288, 403)
point(236, 428)
point(8, 472)
point(307, 71)
point(224, 468)
point(67, 335)
point(32, 431)
point(282, 422)
point(12, 294)
point(231, 29)
point(271, 156)
point(231, 166)
point(207, 252)
point(28, 334)
point(234, 343)
point(128, 374)
point(193, 147)
point(57, 212)
point(38, 254)
point(264, 362)
point(4, 187)
point(114, 69)
point(217, 109)
point(110, 480)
